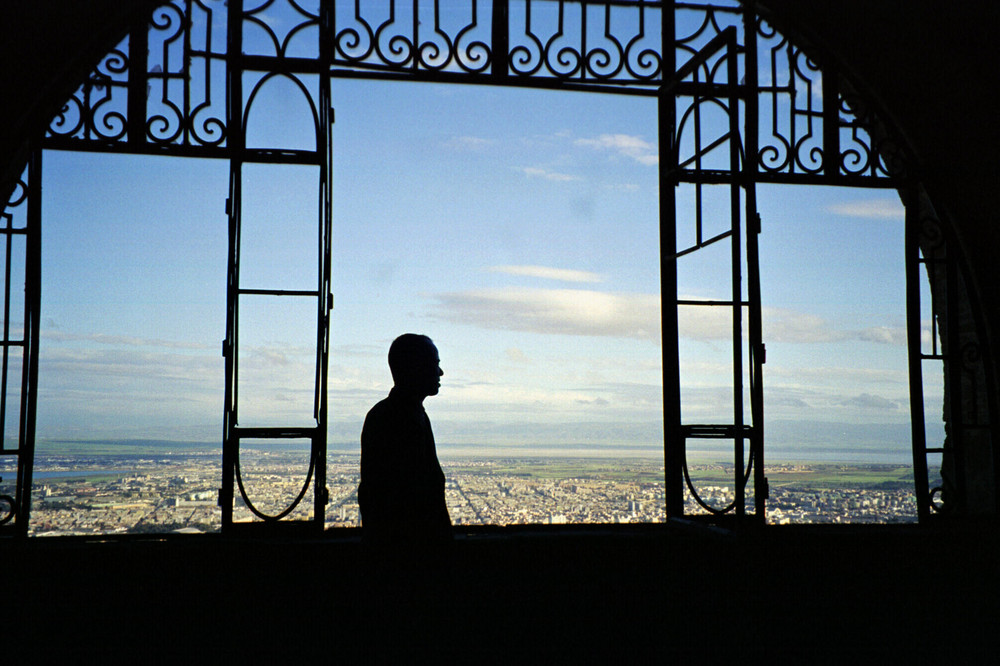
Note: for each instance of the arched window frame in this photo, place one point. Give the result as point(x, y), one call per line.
point(188, 100)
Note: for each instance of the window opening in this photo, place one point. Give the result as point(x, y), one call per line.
point(838, 418)
point(484, 235)
point(130, 371)
point(182, 85)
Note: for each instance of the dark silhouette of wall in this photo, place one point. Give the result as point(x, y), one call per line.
point(603, 595)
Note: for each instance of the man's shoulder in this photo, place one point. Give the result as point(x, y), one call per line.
point(383, 414)
point(381, 407)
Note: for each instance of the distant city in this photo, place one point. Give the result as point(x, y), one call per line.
point(177, 490)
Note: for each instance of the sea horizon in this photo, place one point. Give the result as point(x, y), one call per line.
point(776, 453)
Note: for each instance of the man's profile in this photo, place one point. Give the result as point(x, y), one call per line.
point(401, 494)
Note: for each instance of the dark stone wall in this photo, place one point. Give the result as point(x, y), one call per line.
point(669, 594)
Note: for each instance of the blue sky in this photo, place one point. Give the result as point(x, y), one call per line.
point(518, 228)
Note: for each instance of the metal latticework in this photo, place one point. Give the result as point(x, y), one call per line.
point(20, 231)
point(739, 104)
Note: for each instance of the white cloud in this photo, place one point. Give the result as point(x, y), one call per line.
point(119, 340)
point(890, 335)
point(835, 375)
point(874, 209)
point(781, 325)
point(869, 401)
point(547, 273)
point(622, 187)
point(634, 147)
point(633, 315)
point(516, 355)
point(536, 172)
point(784, 325)
point(556, 311)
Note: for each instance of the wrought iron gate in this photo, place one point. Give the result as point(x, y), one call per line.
point(160, 91)
point(259, 73)
point(703, 154)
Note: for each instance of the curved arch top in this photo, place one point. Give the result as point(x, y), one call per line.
point(811, 128)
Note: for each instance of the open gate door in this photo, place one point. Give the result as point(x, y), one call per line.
point(278, 301)
point(707, 176)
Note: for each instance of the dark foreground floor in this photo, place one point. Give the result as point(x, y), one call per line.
point(673, 593)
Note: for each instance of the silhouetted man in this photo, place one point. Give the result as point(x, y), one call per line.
point(401, 494)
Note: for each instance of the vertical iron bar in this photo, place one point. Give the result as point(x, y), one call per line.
point(732, 74)
point(8, 242)
point(186, 55)
point(325, 214)
point(831, 121)
point(696, 100)
point(754, 323)
point(32, 305)
point(416, 34)
point(914, 349)
point(673, 440)
point(500, 37)
point(236, 141)
point(138, 48)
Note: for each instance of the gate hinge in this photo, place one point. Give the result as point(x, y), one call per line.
point(333, 115)
point(766, 489)
point(760, 353)
point(229, 206)
point(756, 224)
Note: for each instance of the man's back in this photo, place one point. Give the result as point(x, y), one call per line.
point(401, 495)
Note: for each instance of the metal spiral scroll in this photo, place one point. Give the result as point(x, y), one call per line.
point(257, 512)
point(796, 147)
point(160, 128)
point(91, 113)
point(423, 42)
point(184, 119)
point(865, 156)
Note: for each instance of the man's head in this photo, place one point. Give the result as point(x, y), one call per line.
point(415, 365)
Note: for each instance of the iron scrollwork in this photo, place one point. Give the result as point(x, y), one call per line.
point(600, 43)
point(791, 87)
point(187, 58)
point(366, 38)
point(813, 126)
point(872, 151)
point(567, 41)
point(96, 111)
